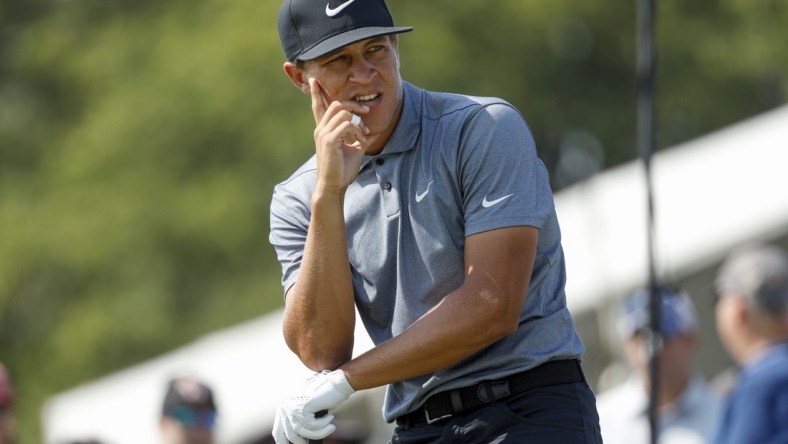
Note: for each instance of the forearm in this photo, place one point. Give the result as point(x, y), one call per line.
point(442, 337)
point(319, 311)
point(484, 309)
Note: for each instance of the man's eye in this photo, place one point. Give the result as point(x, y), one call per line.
point(336, 59)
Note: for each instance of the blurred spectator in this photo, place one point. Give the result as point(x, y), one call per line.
point(189, 412)
point(752, 321)
point(6, 407)
point(688, 409)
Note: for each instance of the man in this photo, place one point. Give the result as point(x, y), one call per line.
point(6, 406)
point(688, 409)
point(752, 322)
point(188, 413)
point(432, 215)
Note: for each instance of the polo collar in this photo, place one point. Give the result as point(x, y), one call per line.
point(408, 129)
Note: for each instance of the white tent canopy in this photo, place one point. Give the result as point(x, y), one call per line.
point(711, 194)
point(248, 366)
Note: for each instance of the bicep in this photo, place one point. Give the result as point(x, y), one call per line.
point(500, 261)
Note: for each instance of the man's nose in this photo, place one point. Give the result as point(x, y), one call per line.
point(362, 71)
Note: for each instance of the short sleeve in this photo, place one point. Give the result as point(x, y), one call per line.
point(289, 221)
point(502, 179)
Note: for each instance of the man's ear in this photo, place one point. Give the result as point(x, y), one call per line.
point(741, 311)
point(298, 76)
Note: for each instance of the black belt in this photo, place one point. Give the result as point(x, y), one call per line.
point(445, 404)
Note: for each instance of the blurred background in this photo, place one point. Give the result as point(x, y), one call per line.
point(140, 142)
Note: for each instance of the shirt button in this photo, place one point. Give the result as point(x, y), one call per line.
point(380, 161)
point(387, 186)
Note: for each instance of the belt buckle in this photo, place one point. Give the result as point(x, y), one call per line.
point(434, 420)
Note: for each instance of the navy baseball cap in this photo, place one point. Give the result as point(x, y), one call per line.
point(309, 29)
point(187, 391)
point(677, 315)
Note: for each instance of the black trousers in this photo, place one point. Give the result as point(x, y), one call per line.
point(564, 413)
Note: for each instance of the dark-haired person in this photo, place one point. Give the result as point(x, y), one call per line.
point(432, 215)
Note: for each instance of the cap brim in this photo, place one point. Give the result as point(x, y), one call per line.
point(338, 41)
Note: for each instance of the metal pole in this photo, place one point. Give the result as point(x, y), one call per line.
point(646, 139)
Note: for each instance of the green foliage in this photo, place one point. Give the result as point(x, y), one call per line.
point(140, 142)
point(137, 164)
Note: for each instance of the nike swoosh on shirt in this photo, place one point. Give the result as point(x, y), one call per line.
point(420, 197)
point(332, 12)
point(488, 203)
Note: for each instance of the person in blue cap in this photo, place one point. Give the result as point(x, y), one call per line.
point(432, 215)
point(188, 413)
point(688, 409)
point(752, 322)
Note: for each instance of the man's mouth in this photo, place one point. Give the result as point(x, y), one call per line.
point(366, 98)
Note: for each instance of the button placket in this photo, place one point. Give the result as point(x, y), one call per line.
point(389, 194)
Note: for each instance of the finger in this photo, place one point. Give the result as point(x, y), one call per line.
point(322, 105)
point(349, 105)
point(282, 433)
point(279, 433)
point(280, 437)
point(343, 117)
point(315, 434)
point(318, 423)
point(293, 436)
point(340, 111)
point(355, 107)
point(320, 102)
point(349, 135)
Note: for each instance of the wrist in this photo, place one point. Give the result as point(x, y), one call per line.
point(328, 198)
point(325, 195)
point(340, 380)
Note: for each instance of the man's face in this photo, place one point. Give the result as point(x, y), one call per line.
point(729, 311)
point(366, 72)
point(675, 360)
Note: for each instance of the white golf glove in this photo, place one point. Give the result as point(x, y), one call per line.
point(295, 416)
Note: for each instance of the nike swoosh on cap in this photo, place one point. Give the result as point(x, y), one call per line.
point(488, 203)
point(332, 12)
point(420, 197)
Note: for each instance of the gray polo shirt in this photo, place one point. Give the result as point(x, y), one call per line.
point(454, 166)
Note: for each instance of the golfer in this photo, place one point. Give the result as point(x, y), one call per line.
point(431, 214)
